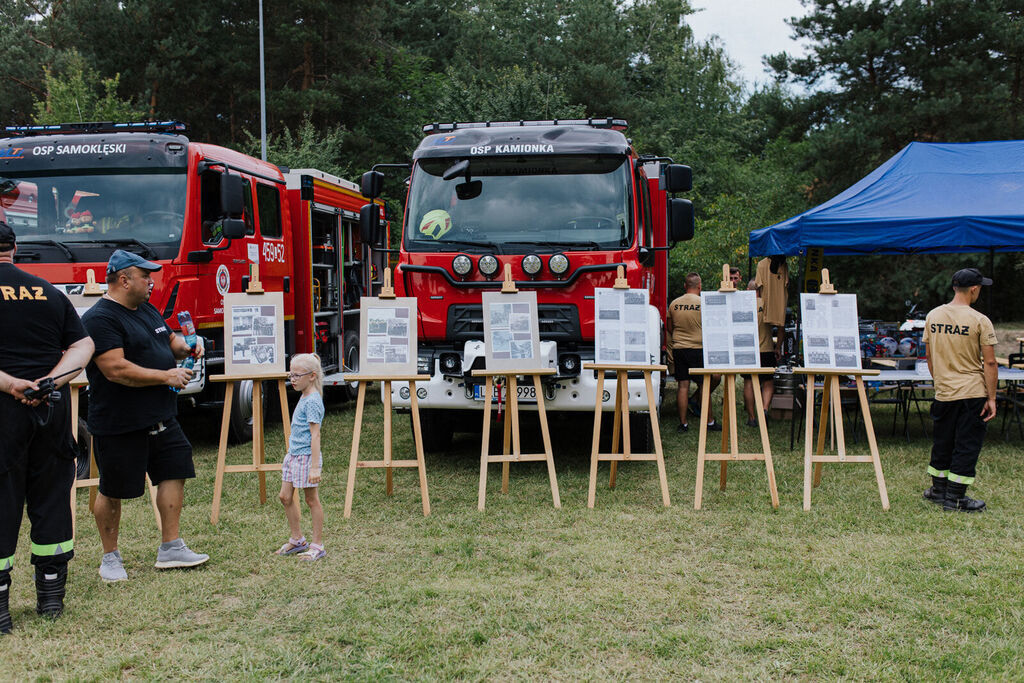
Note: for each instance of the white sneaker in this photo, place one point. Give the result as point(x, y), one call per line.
point(178, 556)
point(112, 568)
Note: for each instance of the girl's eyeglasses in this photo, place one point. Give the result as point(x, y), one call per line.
point(296, 375)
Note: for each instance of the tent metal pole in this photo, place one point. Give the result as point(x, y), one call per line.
point(991, 274)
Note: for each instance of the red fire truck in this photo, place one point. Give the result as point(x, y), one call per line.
point(564, 203)
point(75, 192)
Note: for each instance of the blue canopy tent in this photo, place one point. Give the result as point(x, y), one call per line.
point(928, 198)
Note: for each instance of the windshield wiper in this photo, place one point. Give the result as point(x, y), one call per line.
point(148, 251)
point(470, 243)
point(581, 245)
point(53, 243)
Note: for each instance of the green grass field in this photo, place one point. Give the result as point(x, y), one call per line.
point(626, 590)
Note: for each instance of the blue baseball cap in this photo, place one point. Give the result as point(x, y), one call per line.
point(122, 259)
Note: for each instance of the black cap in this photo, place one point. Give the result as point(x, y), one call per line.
point(7, 237)
point(122, 259)
point(968, 277)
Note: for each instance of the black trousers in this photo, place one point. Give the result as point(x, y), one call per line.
point(958, 432)
point(37, 469)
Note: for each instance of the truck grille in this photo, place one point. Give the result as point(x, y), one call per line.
point(558, 322)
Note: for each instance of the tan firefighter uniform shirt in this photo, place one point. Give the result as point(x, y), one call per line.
point(955, 335)
point(686, 328)
point(764, 330)
point(774, 291)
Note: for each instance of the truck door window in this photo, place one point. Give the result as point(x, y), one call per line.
point(268, 203)
point(645, 208)
point(209, 201)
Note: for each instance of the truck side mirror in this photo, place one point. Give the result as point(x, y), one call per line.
point(231, 200)
point(680, 220)
point(233, 228)
point(678, 178)
point(371, 184)
point(369, 222)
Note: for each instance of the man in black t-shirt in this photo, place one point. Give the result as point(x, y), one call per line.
point(132, 411)
point(42, 337)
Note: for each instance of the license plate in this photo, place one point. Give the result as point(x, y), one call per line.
point(526, 394)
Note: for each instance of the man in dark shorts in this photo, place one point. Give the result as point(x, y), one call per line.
point(960, 345)
point(684, 326)
point(42, 337)
point(132, 411)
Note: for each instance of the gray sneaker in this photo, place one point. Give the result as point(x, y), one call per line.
point(112, 568)
point(175, 554)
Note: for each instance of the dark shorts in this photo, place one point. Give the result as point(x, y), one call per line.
point(125, 459)
point(684, 360)
point(767, 361)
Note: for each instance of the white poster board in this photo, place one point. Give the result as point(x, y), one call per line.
point(387, 336)
point(511, 332)
point(830, 332)
point(254, 334)
point(620, 321)
point(729, 329)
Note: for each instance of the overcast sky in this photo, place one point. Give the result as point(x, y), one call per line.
point(749, 30)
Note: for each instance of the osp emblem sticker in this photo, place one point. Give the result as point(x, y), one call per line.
point(223, 279)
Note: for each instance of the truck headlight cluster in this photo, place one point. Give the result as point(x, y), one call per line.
point(488, 265)
point(462, 265)
point(558, 263)
point(531, 264)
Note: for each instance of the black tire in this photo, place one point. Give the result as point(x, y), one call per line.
point(241, 411)
point(436, 428)
point(641, 435)
point(84, 439)
point(351, 362)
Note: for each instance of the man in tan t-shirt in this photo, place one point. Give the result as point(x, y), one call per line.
point(960, 345)
point(683, 324)
point(768, 360)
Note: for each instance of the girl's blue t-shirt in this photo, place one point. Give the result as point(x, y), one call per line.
point(309, 409)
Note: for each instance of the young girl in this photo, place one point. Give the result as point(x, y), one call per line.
point(301, 467)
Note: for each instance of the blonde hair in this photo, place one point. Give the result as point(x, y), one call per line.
point(310, 362)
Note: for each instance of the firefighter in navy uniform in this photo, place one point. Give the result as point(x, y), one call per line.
point(960, 344)
point(42, 337)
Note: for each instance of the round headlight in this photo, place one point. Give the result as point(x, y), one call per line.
point(462, 265)
point(559, 264)
point(488, 265)
point(531, 264)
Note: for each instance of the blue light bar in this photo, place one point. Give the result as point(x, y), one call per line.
point(171, 127)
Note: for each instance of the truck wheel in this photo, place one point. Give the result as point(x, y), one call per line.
point(84, 439)
point(641, 436)
point(351, 343)
point(241, 411)
point(436, 428)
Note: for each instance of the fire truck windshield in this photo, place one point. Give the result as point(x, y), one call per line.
point(523, 203)
point(83, 208)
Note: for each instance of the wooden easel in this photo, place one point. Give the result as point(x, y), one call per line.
point(621, 419)
point(511, 450)
point(354, 463)
point(831, 415)
point(730, 437)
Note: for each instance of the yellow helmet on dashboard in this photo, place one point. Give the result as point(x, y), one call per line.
point(436, 224)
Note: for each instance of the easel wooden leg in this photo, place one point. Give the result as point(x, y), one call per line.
point(388, 471)
point(729, 431)
point(506, 443)
point(808, 435)
point(417, 436)
point(258, 455)
point(623, 386)
point(353, 460)
point(656, 430)
point(482, 496)
point(595, 444)
point(616, 429)
point(546, 436)
point(876, 459)
point(702, 440)
point(765, 447)
point(222, 450)
point(282, 393)
point(94, 473)
point(824, 421)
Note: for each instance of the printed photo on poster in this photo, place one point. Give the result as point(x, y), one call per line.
point(830, 331)
point(255, 323)
point(729, 329)
point(511, 331)
point(387, 336)
point(621, 320)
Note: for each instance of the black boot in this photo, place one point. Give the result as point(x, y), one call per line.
point(50, 590)
point(937, 493)
point(5, 613)
point(956, 499)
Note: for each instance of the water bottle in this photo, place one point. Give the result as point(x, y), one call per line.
point(188, 329)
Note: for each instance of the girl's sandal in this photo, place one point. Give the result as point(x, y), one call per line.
point(314, 553)
point(293, 546)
